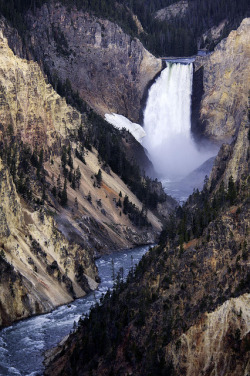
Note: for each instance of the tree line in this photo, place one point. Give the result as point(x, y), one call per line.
point(177, 36)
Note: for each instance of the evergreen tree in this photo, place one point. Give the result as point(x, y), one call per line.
point(76, 203)
point(73, 184)
point(99, 177)
point(59, 186)
point(64, 196)
point(64, 157)
point(89, 197)
point(53, 191)
point(70, 160)
point(78, 176)
point(125, 204)
point(232, 192)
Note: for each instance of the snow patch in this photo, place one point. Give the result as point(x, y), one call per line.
point(120, 122)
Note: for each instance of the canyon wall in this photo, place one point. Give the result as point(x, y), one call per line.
point(225, 81)
point(39, 268)
point(178, 9)
point(186, 309)
point(30, 108)
point(177, 315)
point(217, 343)
point(47, 251)
point(109, 69)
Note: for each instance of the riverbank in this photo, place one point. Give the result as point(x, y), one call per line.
point(23, 344)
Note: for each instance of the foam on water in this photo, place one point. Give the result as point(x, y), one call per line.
point(22, 344)
point(167, 123)
point(121, 122)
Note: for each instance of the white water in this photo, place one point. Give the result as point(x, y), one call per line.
point(167, 123)
point(22, 345)
point(121, 122)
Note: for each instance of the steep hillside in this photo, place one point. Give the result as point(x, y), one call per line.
point(175, 315)
point(223, 79)
point(39, 268)
point(43, 266)
point(178, 9)
point(200, 24)
point(185, 309)
point(30, 109)
point(165, 27)
point(109, 69)
point(60, 203)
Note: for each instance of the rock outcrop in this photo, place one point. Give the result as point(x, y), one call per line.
point(29, 107)
point(212, 36)
point(15, 42)
point(225, 84)
point(39, 268)
point(176, 10)
point(177, 304)
point(217, 342)
point(232, 160)
point(36, 115)
point(47, 251)
point(109, 69)
point(186, 309)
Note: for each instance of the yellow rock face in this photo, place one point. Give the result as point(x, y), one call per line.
point(10, 208)
point(205, 348)
point(226, 84)
point(38, 266)
point(29, 105)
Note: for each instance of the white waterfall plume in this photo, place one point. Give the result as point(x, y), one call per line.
point(167, 123)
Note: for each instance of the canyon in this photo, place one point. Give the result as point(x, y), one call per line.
point(73, 188)
point(108, 68)
point(188, 301)
point(225, 81)
point(46, 245)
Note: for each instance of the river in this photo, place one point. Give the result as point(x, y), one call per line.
point(22, 345)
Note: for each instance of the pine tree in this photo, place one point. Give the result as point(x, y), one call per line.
point(64, 196)
point(99, 177)
point(64, 158)
point(73, 184)
point(125, 205)
point(76, 203)
point(89, 197)
point(231, 193)
point(59, 186)
point(78, 176)
point(70, 160)
point(53, 191)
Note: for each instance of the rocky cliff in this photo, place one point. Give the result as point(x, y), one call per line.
point(109, 69)
point(176, 316)
point(39, 268)
point(225, 84)
point(217, 342)
point(47, 250)
point(178, 9)
point(232, 160)
point(185, 309)
point(30, 109)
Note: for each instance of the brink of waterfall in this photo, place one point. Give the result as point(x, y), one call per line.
point(167, 123)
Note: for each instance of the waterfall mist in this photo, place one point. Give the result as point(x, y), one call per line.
point(167, 123)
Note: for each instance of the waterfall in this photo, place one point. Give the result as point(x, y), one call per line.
point(167, 123)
